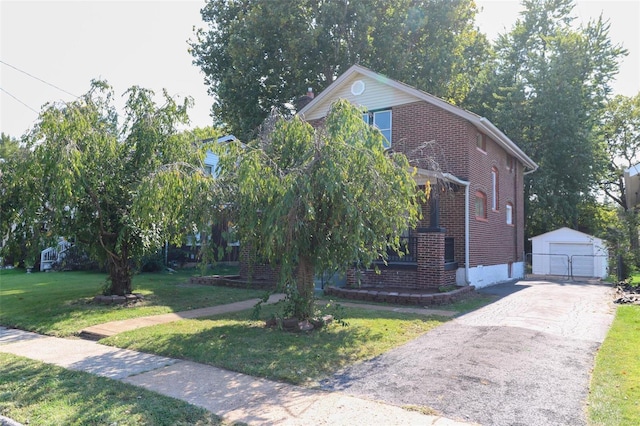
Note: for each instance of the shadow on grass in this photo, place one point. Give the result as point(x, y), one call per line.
point(60, 303)
point(235, 342)
point(36, 393)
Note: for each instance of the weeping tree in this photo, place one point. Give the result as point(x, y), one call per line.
point(118, 190)
point(316, 199)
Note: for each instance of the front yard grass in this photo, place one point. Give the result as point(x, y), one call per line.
point(41, 394)
point(58, 303)
point(615, 384)
point(234, 342)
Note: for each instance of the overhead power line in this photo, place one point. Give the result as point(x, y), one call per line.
point(19, 100)
point(37, 78)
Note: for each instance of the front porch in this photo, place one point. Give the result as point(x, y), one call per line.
point(430, 255)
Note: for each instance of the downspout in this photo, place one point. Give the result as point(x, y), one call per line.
point(466, 222)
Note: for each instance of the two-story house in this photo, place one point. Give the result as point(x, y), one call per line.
point(472, 231)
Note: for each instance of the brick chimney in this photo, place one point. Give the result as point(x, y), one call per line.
point(302, 101)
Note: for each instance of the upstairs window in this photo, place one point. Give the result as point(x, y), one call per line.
point(382, 121)
point(509, 212)
point(481, 205)
point(481, 142)
point(511, 162)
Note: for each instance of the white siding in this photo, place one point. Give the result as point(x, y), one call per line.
point(376, 95)
point(484, 276)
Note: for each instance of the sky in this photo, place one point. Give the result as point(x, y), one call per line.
point(67, 44)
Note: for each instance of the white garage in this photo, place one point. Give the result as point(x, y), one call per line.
point(570, 253)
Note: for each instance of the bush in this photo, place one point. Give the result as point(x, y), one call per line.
point(76, 259)
point(152, 262)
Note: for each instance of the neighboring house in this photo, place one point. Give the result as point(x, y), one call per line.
point(631, 178)
point(472, 230)
point(570, 253)
point(191, 248)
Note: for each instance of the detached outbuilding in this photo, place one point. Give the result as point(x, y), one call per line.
point(570, 253)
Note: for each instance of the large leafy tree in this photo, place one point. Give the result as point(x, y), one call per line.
point(620, 132)
point(312, 200)
point(12, 160)
point(261, 54)
point(548, 89)
point(117, 189)
point(8, 146)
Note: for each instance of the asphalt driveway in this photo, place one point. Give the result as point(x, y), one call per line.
point(522, 360)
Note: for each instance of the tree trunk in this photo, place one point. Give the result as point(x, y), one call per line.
point(119, 275)
point(303, 304)
point(632, 223)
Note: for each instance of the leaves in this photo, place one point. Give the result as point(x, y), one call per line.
point(329, 197)
point(548, 88)
point(262, 54)
point(119, 190)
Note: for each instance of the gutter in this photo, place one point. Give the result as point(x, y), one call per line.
point(497, 134)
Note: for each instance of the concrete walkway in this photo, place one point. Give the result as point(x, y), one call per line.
point(108, 329)
point(234, 396)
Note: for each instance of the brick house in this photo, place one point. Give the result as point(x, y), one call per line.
point(472, 231)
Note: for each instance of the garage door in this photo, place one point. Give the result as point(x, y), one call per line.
point(581, 256)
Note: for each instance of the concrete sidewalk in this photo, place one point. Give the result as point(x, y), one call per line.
point(234, 396)
point(108, 329)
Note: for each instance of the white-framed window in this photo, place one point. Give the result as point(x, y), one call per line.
point(481, 142)
point(382, 121)
point(509, 213)
point(494, 189)
point(481, 205)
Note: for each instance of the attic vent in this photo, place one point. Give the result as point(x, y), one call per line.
point(357, 88)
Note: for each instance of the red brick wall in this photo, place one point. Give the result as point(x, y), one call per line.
point(426, 134)
point(387, 276)
point(451, 142)
point(492, 240)
point(252, 269)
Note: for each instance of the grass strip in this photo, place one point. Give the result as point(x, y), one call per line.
point(235, 342)
point(614, 397)
point(34, 393)
point(59, 303)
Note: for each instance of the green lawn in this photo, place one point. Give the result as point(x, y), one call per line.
point(235, 342)
point(615, 384)
point(59, 303)
point(34, 393)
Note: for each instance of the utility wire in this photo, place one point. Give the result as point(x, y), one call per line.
point(19, 100)
point(39, 79)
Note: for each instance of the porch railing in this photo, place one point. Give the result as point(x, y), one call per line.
point(51, 255)
point(408, 246)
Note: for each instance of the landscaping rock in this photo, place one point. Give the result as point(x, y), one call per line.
point(293, 324)
point(627, 294)
point(118, 300)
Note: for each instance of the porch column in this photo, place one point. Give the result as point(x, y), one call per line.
point(434, 209)
point(430, 257)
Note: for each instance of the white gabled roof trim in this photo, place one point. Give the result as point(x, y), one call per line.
point(481, 123)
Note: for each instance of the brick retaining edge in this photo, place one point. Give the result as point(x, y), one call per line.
point(232, 281)
point(402, 298)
